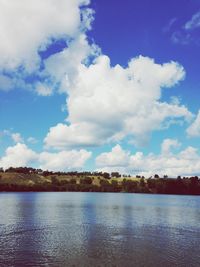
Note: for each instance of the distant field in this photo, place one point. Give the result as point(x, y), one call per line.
point(28, 179)
point(120, 179)
point(46, 181)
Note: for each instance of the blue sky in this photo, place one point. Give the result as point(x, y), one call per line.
point(104, 85)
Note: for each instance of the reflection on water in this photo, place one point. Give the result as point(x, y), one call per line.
point(99, 229)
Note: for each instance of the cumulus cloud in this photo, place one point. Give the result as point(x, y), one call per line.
point(20, 155)
point(27, 30)
point(64, 160)
point(168, 144)
point(184, 162)
point(194, 129)
point(60, 69)
point(117, 157)
point(104, 103)
point(17, 138)
point(108, 103)
point(83, 134)
point(28, 26)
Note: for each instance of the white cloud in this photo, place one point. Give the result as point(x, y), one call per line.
point(117, 157)
point(185, 162)
point(32, 140)
point(182, 37)
point(64, 160)
point(62, 65)
point(194, 22)
point(27, 29)
point(43, 90)
point(81, 134)
point(5, 83)
point(28, 26)
point(17, 138)
point(18, 155)
point(186, 34)
point(168, 144)
point(104, 103)
point(170, 24)
point(109, 103)
point(194, 129)
point(62, 68)
point(175, 100)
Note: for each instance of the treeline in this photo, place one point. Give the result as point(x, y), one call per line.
point(30, 170)
point(85, 183)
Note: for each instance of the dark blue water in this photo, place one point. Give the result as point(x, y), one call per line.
point(99, 229)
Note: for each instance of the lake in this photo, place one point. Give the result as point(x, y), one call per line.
point(99, 229)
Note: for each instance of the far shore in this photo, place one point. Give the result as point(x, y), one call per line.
point(25, 179)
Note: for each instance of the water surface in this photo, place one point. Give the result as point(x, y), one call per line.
point(99, 229)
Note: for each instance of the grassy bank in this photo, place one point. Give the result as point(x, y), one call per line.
point(48, 181)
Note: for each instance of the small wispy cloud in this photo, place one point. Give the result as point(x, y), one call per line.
point(43, 90)
point(170, 24)
point(32, 140)
point(17, 138)
point(181, 37)
point(193, 23)
point(187, 33)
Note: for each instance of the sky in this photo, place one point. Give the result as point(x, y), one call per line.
point(100, 86)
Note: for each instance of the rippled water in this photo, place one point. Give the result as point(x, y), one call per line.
point(99, 229)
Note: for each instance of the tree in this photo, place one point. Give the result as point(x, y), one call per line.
point(129, 185)
point(142, 182)
point(151, 183)
point(194, 186)
point(72, 181)
point(115, 186)
point(54, 180)
point(106, 175)
point(105, 185)
point(86, 180)
point(115, 174)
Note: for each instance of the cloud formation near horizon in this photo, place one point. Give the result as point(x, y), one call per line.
point(184, 162)
point(20, 155)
